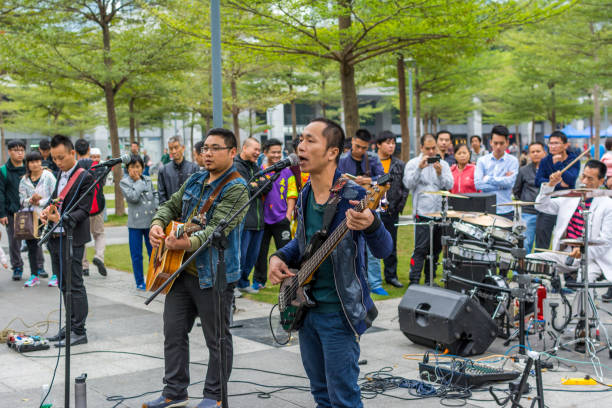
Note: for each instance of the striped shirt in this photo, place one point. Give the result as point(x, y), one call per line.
point(575, 227)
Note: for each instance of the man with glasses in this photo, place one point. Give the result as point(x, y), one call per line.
point(558, 158)
point(366, 168)
point(11, 174)
point(192, 294)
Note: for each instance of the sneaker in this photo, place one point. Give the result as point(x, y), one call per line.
point(163, 402)
point(141, 286)
point(17, 272)
point(258, 286)
point(33, 281)
point(208, 403)
point(85, 272)
point(237, 293)
point(52, 281)
point(250, 290)
point(380, 291)
point(100, 265)
point(42, 274)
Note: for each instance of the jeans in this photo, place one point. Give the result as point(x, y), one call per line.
point(135, 239)
point(544, 229)
point(390, 262)
point(183, 303)
point(281, 231)
point(374, 271)
point(250, 241)
point(330, 352)
point(530, 232)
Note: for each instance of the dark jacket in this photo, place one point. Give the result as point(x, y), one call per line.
point(79, 216)
point(254, 217)
point(100, 201)
point(397, 193)
point(348, 165)
point(348, 258)
point(547, 167)
point(525, 188)
point(9, 189)
point(172, 176)
point(50, 164)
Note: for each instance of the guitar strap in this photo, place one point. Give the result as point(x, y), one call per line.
point(331, 204)
point(211, 199)
point(75, 175)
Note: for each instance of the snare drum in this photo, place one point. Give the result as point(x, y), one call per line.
point(470, 230)
point(502, 234)
point(469, 252)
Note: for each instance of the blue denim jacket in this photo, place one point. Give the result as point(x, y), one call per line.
point(232, 253)
point(348, 258)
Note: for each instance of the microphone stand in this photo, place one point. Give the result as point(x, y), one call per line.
point(67, 271)
point(218, 240)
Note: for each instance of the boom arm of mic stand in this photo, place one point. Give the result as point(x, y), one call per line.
point(43, 240)
point(219, 228)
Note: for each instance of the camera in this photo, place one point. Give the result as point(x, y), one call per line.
point(434, 159)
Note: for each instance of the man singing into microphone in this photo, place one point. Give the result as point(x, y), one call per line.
point(192, 294)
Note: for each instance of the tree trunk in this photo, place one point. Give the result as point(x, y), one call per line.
point(532, 138)
point(403, 114)
point(434, 124)
point(109, 96)
point(596, 119)
point(132, 121)
point(235, 111)
point(137, 125)
point(553, 108)
point(350, 104)
point(417, 111)
point(518, 138)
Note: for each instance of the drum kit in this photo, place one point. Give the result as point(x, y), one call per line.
point(495, 244)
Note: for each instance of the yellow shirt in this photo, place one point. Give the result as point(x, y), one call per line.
point(386, 164)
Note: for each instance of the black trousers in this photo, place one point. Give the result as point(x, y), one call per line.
point(183, 303)
point(35, 256)
point(545, 224)
point(80, 307)
point(390, 262)
point(281, 231)
point(14, 243)
point(421, 250)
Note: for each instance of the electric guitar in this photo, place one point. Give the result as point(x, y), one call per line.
point(294, 297)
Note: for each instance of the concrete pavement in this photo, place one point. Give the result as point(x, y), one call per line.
point(121, 328)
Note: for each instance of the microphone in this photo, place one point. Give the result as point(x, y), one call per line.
point(291, 160)
point(125, 159)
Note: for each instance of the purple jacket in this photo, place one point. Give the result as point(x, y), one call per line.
point(275, 203)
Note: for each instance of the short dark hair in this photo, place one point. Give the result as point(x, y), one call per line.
point(198, 146)
point(363, 134)
point(536, 143)
point(385, 135)
point(62, 140)
point(460, 145)
point(443, 132)
point(44, 144)
point(135, 158)
point(559, 134)
point(13, 143)
point(34, 155)
point(596, 164)
point(81, 146)
point(333, 133)
point(136, 143)
point(426, 137)
point(271, 142)
point(500, 130)
point(228, 136)
point(609, 143)
point(477, 137)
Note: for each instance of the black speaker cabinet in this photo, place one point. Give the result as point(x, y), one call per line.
point(445, 320)
point(467, 270)
point(478, 202)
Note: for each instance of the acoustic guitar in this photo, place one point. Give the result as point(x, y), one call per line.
point(294, 297)
point(164, 262)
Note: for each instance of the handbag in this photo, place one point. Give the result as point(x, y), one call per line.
point(26, 224)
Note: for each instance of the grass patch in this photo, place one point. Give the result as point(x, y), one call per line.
point(118, 257)
point(116, 220)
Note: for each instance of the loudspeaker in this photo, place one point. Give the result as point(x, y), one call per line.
point(478, 202)
point(445, 320)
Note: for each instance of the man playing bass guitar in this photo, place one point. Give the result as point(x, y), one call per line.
point(212, 195)
point(329, 335)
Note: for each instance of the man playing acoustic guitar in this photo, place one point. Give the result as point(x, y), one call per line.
point(192, 294)
point(329, 336)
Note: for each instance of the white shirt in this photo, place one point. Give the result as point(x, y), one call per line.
point(63, 180)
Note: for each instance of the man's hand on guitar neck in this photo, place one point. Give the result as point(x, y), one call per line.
point(278, 270)
point(358, 221)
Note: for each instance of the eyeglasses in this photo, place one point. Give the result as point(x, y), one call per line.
point(214, 149)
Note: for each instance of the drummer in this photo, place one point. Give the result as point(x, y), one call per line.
point(570, 224)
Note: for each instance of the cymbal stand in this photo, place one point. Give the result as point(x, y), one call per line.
point(523, 294)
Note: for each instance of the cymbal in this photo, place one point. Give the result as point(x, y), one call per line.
point(582, 192)
point(488, 220)
point(580, 243)
point(454, 214)
point(516, 203)
point(445, 194)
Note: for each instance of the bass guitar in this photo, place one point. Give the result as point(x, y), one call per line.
point(294, 297)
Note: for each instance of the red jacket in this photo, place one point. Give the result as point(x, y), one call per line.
point(463, 180)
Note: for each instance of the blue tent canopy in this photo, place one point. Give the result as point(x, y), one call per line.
point(573, 133)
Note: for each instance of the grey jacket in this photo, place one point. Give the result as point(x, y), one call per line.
point(172, 176)
point(419, 180)
point(142, 201)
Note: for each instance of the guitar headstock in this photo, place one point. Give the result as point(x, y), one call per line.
point(377, 192)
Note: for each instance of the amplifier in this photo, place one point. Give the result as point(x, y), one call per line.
point(478, 202)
